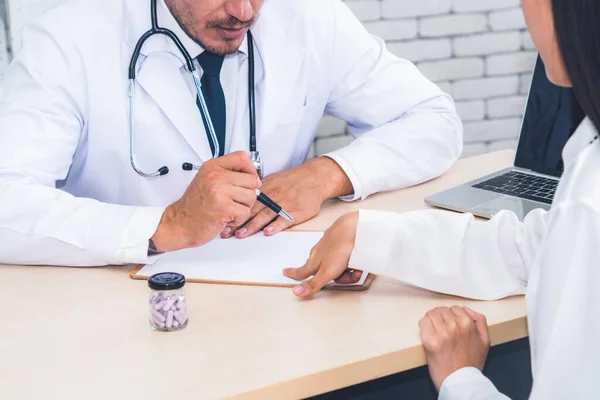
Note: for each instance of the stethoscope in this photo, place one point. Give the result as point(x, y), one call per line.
point(254, 155)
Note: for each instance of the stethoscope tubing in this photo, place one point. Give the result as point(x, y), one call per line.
point(155, 30)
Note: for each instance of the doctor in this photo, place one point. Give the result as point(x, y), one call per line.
point(91, 158)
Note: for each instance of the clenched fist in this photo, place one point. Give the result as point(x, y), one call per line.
point(453, 338)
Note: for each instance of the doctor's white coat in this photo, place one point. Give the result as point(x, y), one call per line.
point(68, 195)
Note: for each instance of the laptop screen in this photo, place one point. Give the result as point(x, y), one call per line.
point(551, 117)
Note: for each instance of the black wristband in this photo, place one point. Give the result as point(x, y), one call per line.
point(152, 248)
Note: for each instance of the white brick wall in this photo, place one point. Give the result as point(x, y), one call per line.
point(478, 51)
point(487, 43)
point(394, 9)
point(465, 6)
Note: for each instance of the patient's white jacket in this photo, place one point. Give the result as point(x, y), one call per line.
point(552, 257)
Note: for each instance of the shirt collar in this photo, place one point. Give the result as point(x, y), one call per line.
point(168, 21)
point(583, 136)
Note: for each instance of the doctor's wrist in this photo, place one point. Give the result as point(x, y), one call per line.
point(166, 238)
point(331, 177)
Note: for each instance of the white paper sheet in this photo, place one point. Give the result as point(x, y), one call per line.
point(257, 259)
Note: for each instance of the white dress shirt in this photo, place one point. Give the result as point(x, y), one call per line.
point(552, 257)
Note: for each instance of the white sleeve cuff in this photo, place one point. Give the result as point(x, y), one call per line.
point(133, 248)
point(469, 383)
point(372, 255)
point(356, 185)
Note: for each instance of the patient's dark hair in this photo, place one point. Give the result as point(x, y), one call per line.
point(577, 24)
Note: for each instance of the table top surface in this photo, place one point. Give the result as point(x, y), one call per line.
point(83, 332)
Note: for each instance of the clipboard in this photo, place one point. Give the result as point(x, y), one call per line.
point(255, 261)
point(358, 288)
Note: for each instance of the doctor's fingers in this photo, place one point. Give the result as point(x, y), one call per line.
point(236, 213)
point(258, 207)
point(238, 161)
point(263, 218)
point(279, 225)
point(241, 179)
point(245, 197)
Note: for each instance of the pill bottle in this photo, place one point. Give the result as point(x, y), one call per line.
point(167, 303)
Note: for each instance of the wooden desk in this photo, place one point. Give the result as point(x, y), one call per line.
point(73, 333)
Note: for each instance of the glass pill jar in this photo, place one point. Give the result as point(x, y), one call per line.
point(167, 302)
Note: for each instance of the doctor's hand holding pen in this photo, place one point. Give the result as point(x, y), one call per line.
point(300, 190)
point(222, 194)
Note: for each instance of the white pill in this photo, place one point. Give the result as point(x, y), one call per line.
point(159, 305)
point(169, 303)
point(158, 316)
point(175, 324)
point(173, 308)
point(179, 316)
point(169, 319)
point(158, 323)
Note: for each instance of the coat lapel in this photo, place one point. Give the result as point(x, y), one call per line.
point(159, 76)
point(282, 60)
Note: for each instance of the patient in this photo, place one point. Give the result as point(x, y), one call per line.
point(552, 257)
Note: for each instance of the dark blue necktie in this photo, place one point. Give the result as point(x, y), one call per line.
point(213, 95)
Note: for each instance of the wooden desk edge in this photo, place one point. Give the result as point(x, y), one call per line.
point(321, 382)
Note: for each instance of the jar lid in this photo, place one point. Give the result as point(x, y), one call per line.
point(166, 281)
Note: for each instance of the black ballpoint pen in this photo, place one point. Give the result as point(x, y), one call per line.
point(276, 208)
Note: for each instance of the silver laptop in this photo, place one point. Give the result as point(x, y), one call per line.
point(551, 116)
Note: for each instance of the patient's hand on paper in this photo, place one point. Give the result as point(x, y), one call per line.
point(329, 259)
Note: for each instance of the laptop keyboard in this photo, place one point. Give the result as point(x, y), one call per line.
point(524, 186)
